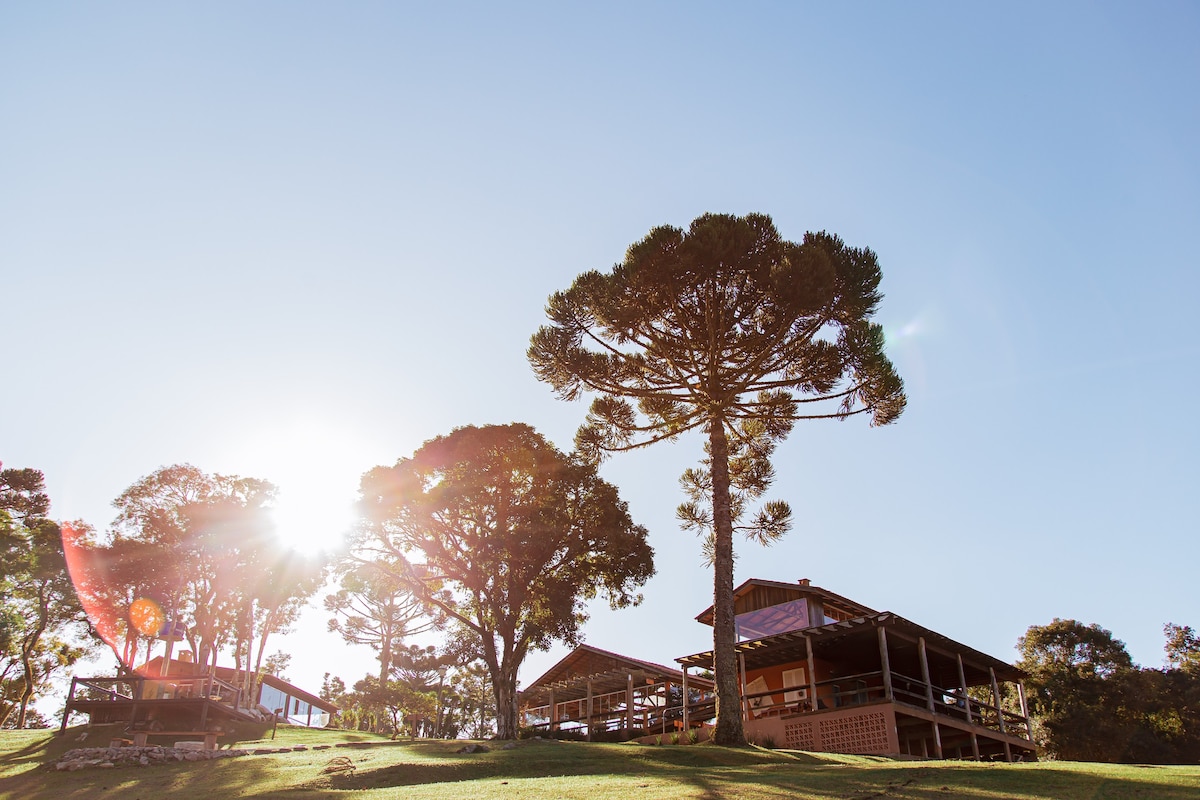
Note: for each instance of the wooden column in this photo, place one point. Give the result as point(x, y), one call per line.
point(666, 703)
point(937, 734)
point(553, 713)
point(742, 687)
point(686, 721)
point(588, 713)
point(996, 699)
point(67, 707)
point(1025, 709)
point(999, 713)
point(629, 703)
point(962, 684)
point(812, 674)
point(885, 664)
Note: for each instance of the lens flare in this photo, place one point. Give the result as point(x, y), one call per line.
point(89, 573)
point(146, 616)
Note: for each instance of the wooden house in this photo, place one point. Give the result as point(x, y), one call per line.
point(821, 672)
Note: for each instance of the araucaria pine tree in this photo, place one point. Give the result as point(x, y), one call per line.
point(731, 330)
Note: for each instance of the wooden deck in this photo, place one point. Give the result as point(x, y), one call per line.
point(202, 707)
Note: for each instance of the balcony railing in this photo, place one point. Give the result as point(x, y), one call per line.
point(136, 688)
point(867, 687)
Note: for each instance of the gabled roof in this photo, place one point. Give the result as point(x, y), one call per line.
point(606, 670)
point(795, 591)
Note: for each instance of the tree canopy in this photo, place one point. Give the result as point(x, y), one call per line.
point(507, 536)
point(42, 624)
point(200, 552)
point(1092, 703)
point(728, 329)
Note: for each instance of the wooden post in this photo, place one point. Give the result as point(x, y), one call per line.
point(67, 708)
point(812, 674)
point(996, 699)
point(975, 745)
point(1000, 713)
point(666, 703)
point(937, 734)
point(742, 688)
point(553, 714)
point(1025, 709)
point(588, 712)
point(629, 702)
point(686, 720)
point(962, 683)
point(885, 664)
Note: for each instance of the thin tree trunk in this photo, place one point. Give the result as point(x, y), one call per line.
point(27, 657)
point(729, 729)
point(252, 692)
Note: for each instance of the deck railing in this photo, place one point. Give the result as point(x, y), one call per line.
point(868, 687)
point(137, 687)
point(611, 716)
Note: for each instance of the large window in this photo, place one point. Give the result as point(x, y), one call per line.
point(292, 709)
point(791, 616)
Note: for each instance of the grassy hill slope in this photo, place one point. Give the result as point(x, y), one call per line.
point(537, 769)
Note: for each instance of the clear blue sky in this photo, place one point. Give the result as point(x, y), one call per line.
point(295, 240)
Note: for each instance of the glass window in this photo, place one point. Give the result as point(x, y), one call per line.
point(791, 616)
point(271, 698)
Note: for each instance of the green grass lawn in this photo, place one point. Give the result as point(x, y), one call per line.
point(536, 769)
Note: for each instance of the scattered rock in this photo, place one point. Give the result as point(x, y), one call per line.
point(472, 748)
point(114, 757)
point(510, 746)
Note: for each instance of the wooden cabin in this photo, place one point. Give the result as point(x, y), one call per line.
point(593, 691)
point(821, 672)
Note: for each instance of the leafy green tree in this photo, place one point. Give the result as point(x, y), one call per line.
point(42, 624)
point(204, 549)
point(332, 688)
point(1082, 690)
point(394, 707)
point(1183, 647)
point(508, 537)
point(728, 329)
point(473, 708)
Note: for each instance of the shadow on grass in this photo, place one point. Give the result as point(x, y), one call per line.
point(608, 771)
point(48, 745)
point(713, 772)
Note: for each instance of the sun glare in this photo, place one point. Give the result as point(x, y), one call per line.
point(316, 468)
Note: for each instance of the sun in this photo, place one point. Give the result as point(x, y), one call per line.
point(316, 466)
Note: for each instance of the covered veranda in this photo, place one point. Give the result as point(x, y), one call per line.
point(879, 684)
point(593, 692)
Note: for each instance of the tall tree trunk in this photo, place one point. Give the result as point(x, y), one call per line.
point(385, 655)
point(504, 689)
point(729, 729)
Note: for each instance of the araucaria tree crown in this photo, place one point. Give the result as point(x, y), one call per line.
point(730, 329)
